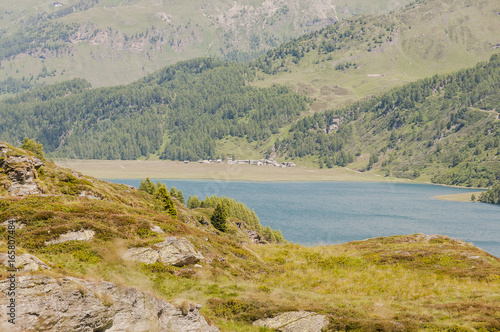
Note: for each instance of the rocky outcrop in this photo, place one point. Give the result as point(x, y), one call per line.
point(25, 263)
point(89, 195)
point(17, 223)
point(172, 251)
point(69, 304)
point(144, 255)
point(21, 171)
point(83, 235)
point(295, 321)
point(255, 237)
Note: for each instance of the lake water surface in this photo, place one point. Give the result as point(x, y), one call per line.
point(313, 213)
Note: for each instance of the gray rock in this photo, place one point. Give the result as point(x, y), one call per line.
point(295, 321)
point(21, 171)
point(203, 221)
point(83, 235)
point(255, 237)
point(17, 223)
point(178, 252)
point(157, 229)
point(89, 195)
point(69, 304)
point(172, 251)
point(143, 255)
point(25, 262)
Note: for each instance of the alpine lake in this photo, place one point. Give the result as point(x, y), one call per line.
point(324, 213)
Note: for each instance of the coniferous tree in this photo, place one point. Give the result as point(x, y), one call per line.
point(219, 217)
point(193, 202)
point(35, 147)
point(147, 186)
point(167, 203)
point(180, 196)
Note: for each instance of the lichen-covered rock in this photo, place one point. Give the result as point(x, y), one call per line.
point(178, 252)
point(21, 171)
point(83, 235)
point(25, 262)
point(172, 251)
point(295, 321)
point(69, 304)
point(17, 223)
point(143, 255)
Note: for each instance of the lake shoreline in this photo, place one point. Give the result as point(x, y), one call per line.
point(160, 169)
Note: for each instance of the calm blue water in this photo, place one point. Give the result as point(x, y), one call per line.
point(313, 213)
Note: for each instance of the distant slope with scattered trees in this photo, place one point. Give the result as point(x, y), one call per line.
point(447, 126)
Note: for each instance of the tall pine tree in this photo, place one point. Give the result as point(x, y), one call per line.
point(219, 217)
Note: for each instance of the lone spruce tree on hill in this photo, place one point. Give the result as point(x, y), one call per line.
point(219, 217)
point(168, 204)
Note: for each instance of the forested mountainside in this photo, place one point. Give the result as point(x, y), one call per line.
point(447, 126)
point(179, 112)
point(206, 108)
point(115, 256)
point(95, 39)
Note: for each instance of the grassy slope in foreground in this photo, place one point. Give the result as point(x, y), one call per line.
point(403, 283)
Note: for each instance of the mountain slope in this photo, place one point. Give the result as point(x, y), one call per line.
point(173, 112)
point(446, 127)
point(357, 286)
point(360, 57)
point(96, 39)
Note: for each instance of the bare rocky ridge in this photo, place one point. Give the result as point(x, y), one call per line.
point(21, 171)
point(70, 304)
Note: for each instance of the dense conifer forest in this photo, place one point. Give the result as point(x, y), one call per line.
point(448, 120)
point(179, 112)
point(182, 111)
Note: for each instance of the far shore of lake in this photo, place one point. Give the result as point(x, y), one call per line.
point(161, 169)
point(462, 197)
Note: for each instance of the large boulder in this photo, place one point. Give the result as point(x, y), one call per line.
point(69, 304)
point(178, 252)
point(144, 255)
point(172, 251)
point(295, 321)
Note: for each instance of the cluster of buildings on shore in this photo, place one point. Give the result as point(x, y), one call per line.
point(259, 162)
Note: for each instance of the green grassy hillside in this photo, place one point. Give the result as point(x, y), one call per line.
point(445, 127)
point(401, 283)
point(111, 42)
point(360, 57)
